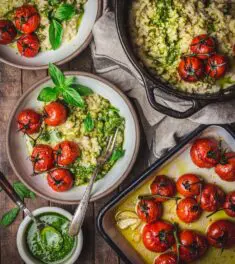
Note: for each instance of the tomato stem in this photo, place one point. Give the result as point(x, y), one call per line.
point(214, 212)
point(152, 196)
point(177, 241)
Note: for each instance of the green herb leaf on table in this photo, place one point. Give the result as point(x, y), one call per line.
point(55, 34)
point(72, 97)
point(65, 12)
point(23, 191)
point(9, 217)
point(117, 154)
point(82, 90)
point(88, 123)
point(48, 94)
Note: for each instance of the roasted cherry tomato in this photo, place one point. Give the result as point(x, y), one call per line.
point(229, 205)
point(7, 32)
point(212, 198)
point(192, 246)
point(29, 121)
point(226, 168)
point(221, 234)
point(189, 185)
point(60, 180)
point(217, 66)
point(56, 114)
point(191, 69)
point(28, 45)
point(66, 152)
point(188, 210)
point(163, 186)
point(159, 236)
point(42, 158)
point(166, 258)
point(203, 46)
point(205, 152)
point(27, 19)
point(149, 211)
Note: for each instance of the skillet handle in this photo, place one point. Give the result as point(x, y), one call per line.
point(196, 104)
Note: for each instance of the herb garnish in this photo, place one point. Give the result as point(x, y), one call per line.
point(89, 123)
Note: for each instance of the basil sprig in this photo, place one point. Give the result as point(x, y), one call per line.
point(65, 87)
point(64, 12)
point(23, 192)
point(88, 123)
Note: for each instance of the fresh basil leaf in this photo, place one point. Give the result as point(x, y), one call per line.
point(55, 34)
point(56, 75)
point(117, 154)
point(48, 94)
point(82, 90)
point(9, 217)
point(65, 12)
point(23, 191)
point(69, 81)
point(72, 97)
point(88, 123)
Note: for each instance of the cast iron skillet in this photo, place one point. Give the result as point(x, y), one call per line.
point(122, 8)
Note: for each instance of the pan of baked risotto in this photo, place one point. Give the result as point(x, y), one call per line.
point(185, 48)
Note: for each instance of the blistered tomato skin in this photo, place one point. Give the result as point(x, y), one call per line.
point(221, 234)
point(149, 211)
point(189, 185)
point(212, 198)
point(28, 45)
point(217, 66)
point(188, 210)
point(163, 186)
point(229, 204)
point(56, 114)
point(159, 236)
point(205, 152)
point(27, 19)
point(166, 258)
point(29, 121)
point(7, 32)
point(226, 168)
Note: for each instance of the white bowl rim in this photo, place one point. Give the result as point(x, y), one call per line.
point(68, 58)
point(47, 209)
point(135, 153)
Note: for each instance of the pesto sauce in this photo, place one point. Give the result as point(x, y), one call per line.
point(39, 251)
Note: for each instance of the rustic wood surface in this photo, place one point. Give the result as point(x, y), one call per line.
point(14, 82)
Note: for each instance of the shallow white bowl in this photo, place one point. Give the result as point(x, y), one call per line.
point(21, 242)
point(18, 155)
point(66, 52)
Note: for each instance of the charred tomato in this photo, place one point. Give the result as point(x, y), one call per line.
point(203, 46)
point(66, 152)
point(221, 234)
point(42, 158)
point(149, 211)
point(29, 121)
point(217, 66)
point(28, 45)
point(27, 19)
point(212, 198)
point(191, 69)
point(159, 236)
point(192, 246)
point(55, 114)
point(189, 185)
point(229, 204)
point(163, 186)
point(7, 32)
point(60, 180)
point(226, 168)
point(188, 210)
point(166, 258)
point(205, 152)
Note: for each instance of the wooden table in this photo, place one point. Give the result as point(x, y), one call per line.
point(14, 82)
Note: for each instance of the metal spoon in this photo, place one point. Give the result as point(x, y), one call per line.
point(40, 225)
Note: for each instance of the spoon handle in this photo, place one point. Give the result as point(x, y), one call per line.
point(6, 186)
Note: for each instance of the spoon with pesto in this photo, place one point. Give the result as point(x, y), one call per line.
point(49, 237)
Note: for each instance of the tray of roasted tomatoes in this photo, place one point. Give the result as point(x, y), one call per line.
point(182, 209)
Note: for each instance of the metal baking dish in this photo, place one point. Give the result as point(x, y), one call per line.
point(105, 220)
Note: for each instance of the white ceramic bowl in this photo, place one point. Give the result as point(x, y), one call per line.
point(66, 52)
point(21, 242)
point(18, 154)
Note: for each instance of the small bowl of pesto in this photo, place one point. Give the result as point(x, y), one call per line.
point(53, 244)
